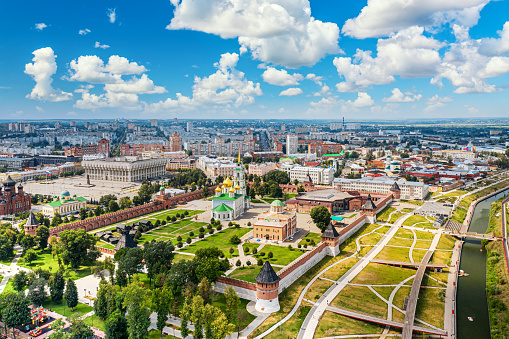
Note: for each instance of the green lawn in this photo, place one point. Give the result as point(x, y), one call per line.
point(178, 257)
point(95, 321)
point(317, 237)
point(395, 217)
point(282, 255)
point(220, 240)
point(257, 201)
point(248, 273)
point(220, 301)
point(9, 288)
point(414, 219)
point(384, 214)
point(103, 244)
point(62, 308)
point(459, 215)
point(46, 261)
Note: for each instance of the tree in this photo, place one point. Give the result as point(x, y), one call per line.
point(132, 262)
point(28, 241)
point(204, 289)
point(161, 302)
point(145, 193)
point(98, 211)
point(136, 302)
point(83, 214)
point(105, 199)
point(221, 327)
point(42, 236)
point(6, 247)
point(37, 292)
point(321, 217)
point(113, 206)
point(181, 274)
point(14, 309)
point(19, 281)
point(30, 256)
point(59, 330)
point(80, 330)
point(116, 326)
point(232, 303)
point(209, 264)
point(76, 245)
point(270, 255)
point(205, 191)
point(56, 287)
point(71, 294)
point(101, 303)
point(125, 202)
point(234, 239)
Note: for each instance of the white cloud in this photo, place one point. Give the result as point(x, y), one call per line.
point(98, 45)
point(112, 15)
point(42, 69)
point(408, 54)
point(471, 109)
point(226, 87)
point(281, 77)
point(91, 69)
point(492, 46)
point(436, 102)
point(39, 109)
point(363, 100)
point(382, 17)
point(275, 31)
point(142, 85)
point(467, 69)
point(290, 92)
point(398, 96)
point(40, 26)
point(84, 31)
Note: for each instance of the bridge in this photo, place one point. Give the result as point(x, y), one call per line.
point(381, 321)
point(473, 235)
point(406, 264)
point(408, 323)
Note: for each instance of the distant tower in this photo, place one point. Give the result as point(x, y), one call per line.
point(331, 237)
point(369, 208)
point(267, 290)
point(31, 224)
point(396, 191)
point(343, 126)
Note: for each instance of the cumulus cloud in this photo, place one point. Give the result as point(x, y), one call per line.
point(436, 102)
point(281, 77)
point(91, 69)
point(363, 100)
point(275, 31)
point(226, 87)
point(382, 17)
point(398, 96)
point(492, 46)
point(40, 26)
point(290, 92)
point(42, 69)
point(84, 31)
point(408, 54)
point(98, 45)
point(466, 68)
point(112, 15)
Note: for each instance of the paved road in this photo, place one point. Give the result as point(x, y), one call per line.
point(416, 286)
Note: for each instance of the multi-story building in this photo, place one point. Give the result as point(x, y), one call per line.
point(153, 123)
point(222, 148)
point(126, 169)
point(189, 126)
point(262, 169)
point(102, 147)
point(292, 143)
point(317, 175)
point(335, 126)
point(409, 190)
point(179, 163)
point(21, 126)
point(175, 143)
point(353, 125)
point(276, 224)
point(455, 154)
point(324, 147)
point(12, 202)
point(135, 150)
point(65, 204)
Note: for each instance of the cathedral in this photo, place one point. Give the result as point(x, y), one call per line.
point(12, 202)
point(230, 200)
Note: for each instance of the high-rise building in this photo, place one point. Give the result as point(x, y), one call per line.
point(189, 126)
point(353, 125)
point(175, 143)
point(153, 123)
point(334, 126)
point(292, 143)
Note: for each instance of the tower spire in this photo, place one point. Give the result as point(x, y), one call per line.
point(239, 155)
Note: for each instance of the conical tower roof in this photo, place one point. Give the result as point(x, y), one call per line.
point(369, 204)
point(267, 275)
point(395, 187)
point(32, 220)
point(330, 232)
point(126, 240)
point(9, 182)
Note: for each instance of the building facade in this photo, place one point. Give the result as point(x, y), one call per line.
point(409, 190)
point(230, 200)
point(276, 224)
point(178, 164)
point(12, 202)
point(126, 169)
point(317, 175)
point(175, 143)
point(292, 143)
point(262, 169)
point(102, 147)
point(64, 204)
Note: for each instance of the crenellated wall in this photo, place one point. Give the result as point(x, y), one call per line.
point(244, 289)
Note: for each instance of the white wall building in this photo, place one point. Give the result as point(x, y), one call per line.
point(318, 175)
point(292, 144)
point(409, 190)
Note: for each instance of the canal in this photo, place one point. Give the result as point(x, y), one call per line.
point(471, 295)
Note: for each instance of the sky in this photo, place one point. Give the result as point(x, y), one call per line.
point(250, 59)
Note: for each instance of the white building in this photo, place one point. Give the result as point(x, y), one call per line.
point(353, 125)
point(231, 200)
point(125, 168)
point(292, 144)
point(65, 204)
point(189, 126)
point(318, 175)
point(409, 190)
point(334, 126)
point(455, 154)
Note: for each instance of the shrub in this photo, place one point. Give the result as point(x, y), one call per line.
point(201, 235)
point(191, 234)
point(219, 227)
point(305, 245)
point(211, 231)
point(168, 218)
point(260, 262)
point(186, 212)
point(188, 240)
point(163, 222)
point(235, 239)
point(290, 247)
point(262, 254)
point(493, 290)
point(299, 246)
point(270, 255)
point(248, 263)
point(180, 244)
point(179, 238)
point(230, 224)
point(246, 250)
point(173, 219)
point(221, 255)
point(201, 230)
point(307, 239)
point(238, 263)
point(177, 215)
point(209, 226)
point(212, 220)
point(255, 250)
point(249, 223)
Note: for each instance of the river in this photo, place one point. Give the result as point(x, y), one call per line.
point(471, 296)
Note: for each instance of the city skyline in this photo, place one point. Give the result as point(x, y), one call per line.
point(255, 60)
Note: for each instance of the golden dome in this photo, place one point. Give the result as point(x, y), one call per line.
point(232, 190)
point(237, 187)
point(218, 189)
point(227, 182)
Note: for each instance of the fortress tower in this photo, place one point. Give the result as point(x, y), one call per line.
point(331, 237)
point(267, 290)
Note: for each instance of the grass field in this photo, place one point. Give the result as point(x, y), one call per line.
point(459, 214)
point(291, 328)
point(220, 240)
point(248, 273)
point(333, 324)
point(46, 262)
point(446, 242)
point(395, 217)
point(383, 275)
point(62, 308)
point(414, 219)
point(317, 237)
point(430, 307)
point(282, 255)
point(383, 216)
point(360, 298)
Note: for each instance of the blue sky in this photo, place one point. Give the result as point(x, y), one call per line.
point(254, 59)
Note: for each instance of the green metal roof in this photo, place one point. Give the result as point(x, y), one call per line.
point(59, 202)
point(226, 196)
point(277, 203)
point(332, 155)
point(222, 208)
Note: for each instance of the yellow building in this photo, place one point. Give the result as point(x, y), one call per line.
point(277, 224)
point(65, 204)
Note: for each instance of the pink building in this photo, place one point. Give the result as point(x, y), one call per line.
point(262, 169)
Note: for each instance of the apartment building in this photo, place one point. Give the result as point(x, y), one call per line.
point(409, 190)
point(317, 175)
point(262, 169)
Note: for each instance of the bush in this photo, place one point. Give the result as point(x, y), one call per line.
point(249, 223)
point(177, 215)
point(186, 213)
point(211, 231)
point(248, 263)
point(260, 262)
point(262, 254)
point(201, 235)
point(180, 244)
point(270, 255)
point(305, 245)
point(168, 218)
point(498, 305)
point(188, 240)
point(212, 220)
point(230, 224)
point(163, 222)
point(173, 219)
point(191, 234)
point(235, 239)
point(299, 246)
point(209, 226)
point(238, 263)
point(255, 250)
point(179, 238)
point(307, 239)
point(493, 290)
point(201, 230)
point(219, 227)
point(246, 250)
